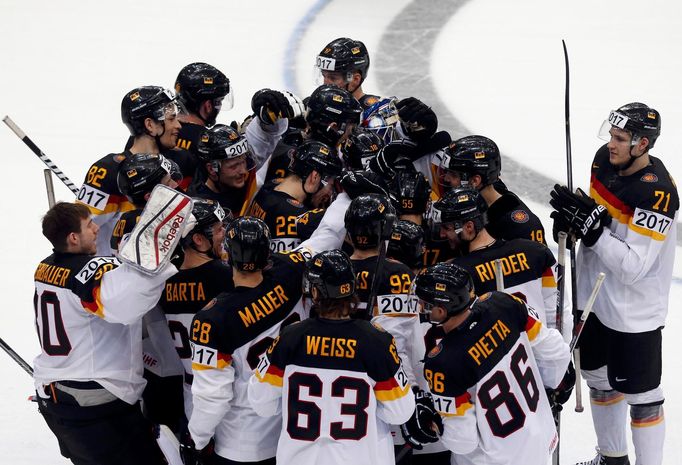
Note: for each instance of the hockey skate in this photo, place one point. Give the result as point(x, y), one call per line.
point(603, 460)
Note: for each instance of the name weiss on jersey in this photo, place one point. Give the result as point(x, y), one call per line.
point(326, 346)
point(263, 306)
point(514, 263)
point(482, 347)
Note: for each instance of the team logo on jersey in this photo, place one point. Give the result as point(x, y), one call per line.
point(519, 216)
point(210, 304)
point(485, 296)
point(649, 177)
point(119, 158)
point(295, 203)
point(435, 351)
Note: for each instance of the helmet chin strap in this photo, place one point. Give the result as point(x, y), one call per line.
point(630, 161)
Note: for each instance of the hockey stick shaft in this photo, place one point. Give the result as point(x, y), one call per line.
point(577, 331)
point(375, 279)
point(34, 148)
point(560, 274)
point(499, 276)
point(49, 186)
point(16, 357)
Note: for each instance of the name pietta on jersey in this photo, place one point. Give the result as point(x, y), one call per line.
point(279, 211)
point(392, 287)
point(522, 260)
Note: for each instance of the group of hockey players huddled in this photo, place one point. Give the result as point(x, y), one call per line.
point(347, 284)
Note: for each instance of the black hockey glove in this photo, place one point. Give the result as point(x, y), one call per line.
point(189, 453)
point(356, 183)
point(393, 157)
point(419, 429)
point(270, 105)
point(560, 395)
point(560, 225)
point(418, 119)
point(582, 214)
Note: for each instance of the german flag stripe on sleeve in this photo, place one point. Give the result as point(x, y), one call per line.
point(548, 278)
point(390, 390)
point(616, 208)
point(205, 361)
point(95, 306)
point(452, 407)
point(273, 376)
point(532, 327)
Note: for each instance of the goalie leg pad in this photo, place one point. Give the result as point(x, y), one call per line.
point(158, 231)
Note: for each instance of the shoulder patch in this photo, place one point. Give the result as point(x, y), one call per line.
point(435, 351)
point(119, 158)
point(519, 216)
point(210, 304)
point(371, 100)
point(485, 297)
point(649, 177)
point(295, 203)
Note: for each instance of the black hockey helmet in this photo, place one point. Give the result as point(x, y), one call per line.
point(139, 173)
point(331, 273)
point(369, 220)
point(146, 102)
point(222, 142)
point(444, 285)
point(344, 55)
point(327, 105)
point(412, 191)
point(637, 118)
point(198, 82)
point(473, 155)
point(407, 243)
point(458, 206)
point(360, 148)
point(248, 243)
point(207, 213)
point(313, 155)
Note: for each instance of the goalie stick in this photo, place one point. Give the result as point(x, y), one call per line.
point(34, 148)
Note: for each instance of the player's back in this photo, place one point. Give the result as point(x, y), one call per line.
point(279, 210)
point(342, 385)
point(488, 363)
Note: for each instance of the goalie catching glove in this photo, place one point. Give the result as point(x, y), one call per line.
point(271, 105)
point(579, 213)
point(158, 231)
point(425, 425)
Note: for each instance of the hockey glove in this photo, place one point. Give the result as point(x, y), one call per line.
point(419, 120)
point(356, 183)
point(561, 394)
point(421, 428)
point(582, 214)
point(189, 453)
point(560, 225)
point(271, 105)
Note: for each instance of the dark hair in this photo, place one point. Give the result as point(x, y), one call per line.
point(61, 220)
point(339, 308)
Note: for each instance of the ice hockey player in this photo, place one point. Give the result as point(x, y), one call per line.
point(148, 112)
point(137, 176)
point(496, 357)
point(332, 367)
point(88, 311)
point(362, 146)
point(412, 192)
point(406, 244)
point(627, 228)
point(527, 266)
point(474, 161)
point(201, 277)
point(203, 91)
point(313, 165)
point(231, 333)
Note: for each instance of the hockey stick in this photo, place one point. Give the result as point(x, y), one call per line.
point(588, 309)
point(499, 275)
point(34, 148)
point(16, 357)
point(49, 187)
point(375, 279)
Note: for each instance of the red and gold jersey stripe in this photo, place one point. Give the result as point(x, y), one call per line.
point(532, 327)
point(272, 376)
point(390, 390)
point(223, 361)
point(95, 306)
point(548, 278)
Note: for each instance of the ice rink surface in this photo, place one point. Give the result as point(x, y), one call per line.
point(489, 67)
